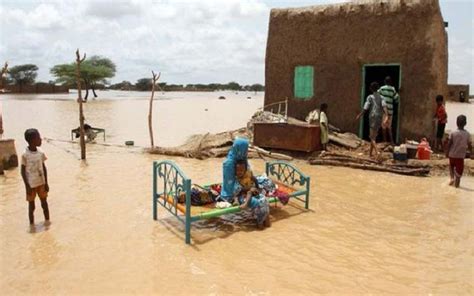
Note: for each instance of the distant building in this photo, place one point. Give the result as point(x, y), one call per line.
point(331, 53)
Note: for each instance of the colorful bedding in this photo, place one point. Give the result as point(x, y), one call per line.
point(170, 184)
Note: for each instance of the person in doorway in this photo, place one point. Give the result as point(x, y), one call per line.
point(390, 96)
point(458, 145)
point(441, 118)
point(324, 124)
point(377, 111)
point(462, 97)
point(34, 174)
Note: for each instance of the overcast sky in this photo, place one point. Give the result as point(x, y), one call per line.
point(189, 41)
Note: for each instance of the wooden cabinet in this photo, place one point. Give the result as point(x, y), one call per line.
point(288, 136)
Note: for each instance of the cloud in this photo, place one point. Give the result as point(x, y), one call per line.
point(201, 38)
point(461, 57)
point(43, 16)
point(187, 40)
point(113, 9)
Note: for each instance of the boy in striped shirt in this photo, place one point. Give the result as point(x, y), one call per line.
point(389, 96)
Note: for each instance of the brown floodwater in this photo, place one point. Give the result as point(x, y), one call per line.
point(365, 232)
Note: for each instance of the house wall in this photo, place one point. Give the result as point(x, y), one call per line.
point(339, 39)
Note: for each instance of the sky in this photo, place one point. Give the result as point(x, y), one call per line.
point(189, 41)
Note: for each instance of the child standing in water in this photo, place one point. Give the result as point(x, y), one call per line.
point(35, 177)
point(324, 124)
point(459, 142)
point(249, 196)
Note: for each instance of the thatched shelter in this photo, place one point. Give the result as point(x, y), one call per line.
point(331, 53)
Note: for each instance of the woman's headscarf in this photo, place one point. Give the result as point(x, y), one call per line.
point(238, 152)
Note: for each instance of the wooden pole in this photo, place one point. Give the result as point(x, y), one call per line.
point(3, 73)
point(79, 100)
point(150, 111)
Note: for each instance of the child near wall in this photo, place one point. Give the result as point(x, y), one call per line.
point(324, 124)
point(441, 118)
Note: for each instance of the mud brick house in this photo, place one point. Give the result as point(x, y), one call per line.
point(331, 53)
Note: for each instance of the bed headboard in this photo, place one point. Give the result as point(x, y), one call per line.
point(169, 182)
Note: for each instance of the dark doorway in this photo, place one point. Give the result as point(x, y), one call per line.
point(378, 73)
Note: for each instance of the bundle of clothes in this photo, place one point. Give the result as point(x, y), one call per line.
point(201, 196)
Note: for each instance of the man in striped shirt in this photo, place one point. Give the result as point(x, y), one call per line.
point(390, 96)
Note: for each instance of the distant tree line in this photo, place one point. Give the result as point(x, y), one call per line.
point(144, 84)
point(96, 70)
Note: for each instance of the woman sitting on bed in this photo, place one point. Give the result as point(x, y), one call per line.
point(238, 152)
point(248, 196)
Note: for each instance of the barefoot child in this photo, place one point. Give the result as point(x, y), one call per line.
point(441, 118)
point(249, 196)
point(459, 142)
point(35, 175)
point(324, 124)
point(377, 111)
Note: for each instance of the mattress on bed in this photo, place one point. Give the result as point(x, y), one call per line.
point(196, 210)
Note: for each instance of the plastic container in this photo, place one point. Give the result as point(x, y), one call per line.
point(400, 156)
point(424, 150)
point(403, 148)
point(411, 153)
point(411, 149)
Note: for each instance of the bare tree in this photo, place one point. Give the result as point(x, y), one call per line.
point(80, 101)
point(150, 112)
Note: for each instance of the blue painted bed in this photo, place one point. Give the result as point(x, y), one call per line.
point(169, 182)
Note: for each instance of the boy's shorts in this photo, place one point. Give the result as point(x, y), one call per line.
point(373, 133)
point(457, 164)
point(440, 130)
point(40, 191)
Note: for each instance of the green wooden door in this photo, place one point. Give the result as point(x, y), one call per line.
point(304, 82)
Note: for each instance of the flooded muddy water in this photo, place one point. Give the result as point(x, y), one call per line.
point(365, 232)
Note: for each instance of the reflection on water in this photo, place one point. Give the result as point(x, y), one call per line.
point(366, 232)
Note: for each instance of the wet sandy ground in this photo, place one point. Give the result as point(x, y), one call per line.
point(366, 232)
